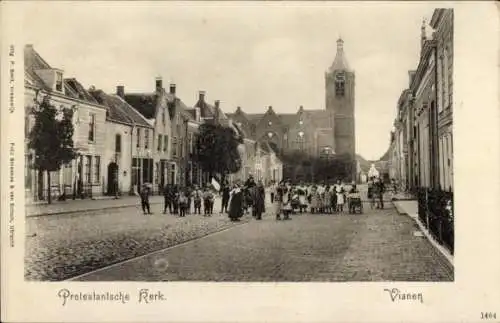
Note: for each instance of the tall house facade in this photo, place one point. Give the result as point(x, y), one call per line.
point(339, 93)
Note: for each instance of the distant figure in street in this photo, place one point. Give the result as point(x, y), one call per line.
point(260, 198)
point(208, 202)
point(175, 199)
point(167, 196)
point(273, 191)
point(225, 197)
point(340, 197)
point(183, 200)
point(188, 192)
point(145, 199)
point(380, 189)
point(236, 203)
point(197, 196)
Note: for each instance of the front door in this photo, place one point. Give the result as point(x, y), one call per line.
point(112, 179)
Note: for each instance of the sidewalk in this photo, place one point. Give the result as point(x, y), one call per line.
point(72, 206)
point(410, 208)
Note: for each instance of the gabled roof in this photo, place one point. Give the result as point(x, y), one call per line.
point(144, 103)
point(75, 89)
point(120, 111)
point(33, 61)
point(72, 88)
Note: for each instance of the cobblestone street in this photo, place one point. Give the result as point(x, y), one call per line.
point(65, 245)
point(379, 245)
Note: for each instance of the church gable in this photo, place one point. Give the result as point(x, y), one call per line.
point(270, 122)
point(241, 120)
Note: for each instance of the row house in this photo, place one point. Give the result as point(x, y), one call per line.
point(423, 142)
point(83, 176)
point(123, 146)
point(165, 143)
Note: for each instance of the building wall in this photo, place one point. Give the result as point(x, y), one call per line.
point(162, 144)
point(123, 158)
point(444, 35)
point(270, 123)
point(306, 143)
point(91, 151)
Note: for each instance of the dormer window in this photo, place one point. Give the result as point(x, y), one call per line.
point(270, 123)
point(59, 81)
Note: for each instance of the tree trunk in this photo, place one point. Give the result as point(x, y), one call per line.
point(49, 193)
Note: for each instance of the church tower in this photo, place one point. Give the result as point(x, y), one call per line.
point(339, 88)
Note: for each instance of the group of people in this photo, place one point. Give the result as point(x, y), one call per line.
point(238, 198)
point(315, 198)
point(376, 190)
point(180, 200)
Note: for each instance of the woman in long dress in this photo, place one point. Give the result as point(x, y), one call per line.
point(236, 203)
point(340, 199)
point(327, 202)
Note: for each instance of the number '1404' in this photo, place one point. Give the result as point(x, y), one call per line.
point(488, 316)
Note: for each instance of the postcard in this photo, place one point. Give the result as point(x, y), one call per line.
point(250, 161)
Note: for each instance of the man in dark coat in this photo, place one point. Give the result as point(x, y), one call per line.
point(167, 196)
point(380, 191)
point(145, 199)
point(225, 197)
point(259, 198)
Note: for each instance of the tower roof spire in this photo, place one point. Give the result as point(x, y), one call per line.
point(340, 62)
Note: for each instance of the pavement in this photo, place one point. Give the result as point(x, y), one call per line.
point(71, 206)
point(379, 245)
point(410, 209)
point(68, 244)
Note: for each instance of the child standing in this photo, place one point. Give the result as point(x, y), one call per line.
point(208, 202)
point(182, 204)
point(340, 199)
point(197, 200)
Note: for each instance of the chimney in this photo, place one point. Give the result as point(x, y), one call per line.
point(159, 83)
point(172, 89)
point(217, 104)
point(201, 96)
point(120, 91)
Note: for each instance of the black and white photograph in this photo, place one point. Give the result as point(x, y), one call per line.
point(252, 142)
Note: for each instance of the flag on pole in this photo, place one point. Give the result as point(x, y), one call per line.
point(215, 184)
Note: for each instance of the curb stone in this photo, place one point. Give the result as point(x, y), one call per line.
point(426, 233)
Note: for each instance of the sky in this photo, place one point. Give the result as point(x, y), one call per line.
point(252, 55)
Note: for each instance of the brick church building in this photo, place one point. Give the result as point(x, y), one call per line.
point(315, 132)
